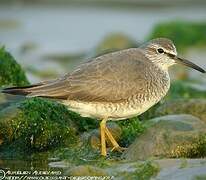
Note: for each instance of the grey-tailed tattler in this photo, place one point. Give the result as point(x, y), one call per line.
point(114, 86)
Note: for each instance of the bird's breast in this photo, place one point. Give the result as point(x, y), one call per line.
point(133, 106)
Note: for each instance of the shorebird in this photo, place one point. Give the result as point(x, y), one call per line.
point(114, 86)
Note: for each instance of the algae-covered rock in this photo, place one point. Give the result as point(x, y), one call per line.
point(114, 42)
point(170, 136)
point(195, 107)
point(36, 125)
point(11, 73)
point(185, 34)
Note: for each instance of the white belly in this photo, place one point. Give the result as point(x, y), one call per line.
point(113, 111)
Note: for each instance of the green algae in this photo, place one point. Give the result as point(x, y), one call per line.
point(36, 125)
point(11, 73)
point(131, 128)
point(82, 154)
point(144, 171)
point(194, 149)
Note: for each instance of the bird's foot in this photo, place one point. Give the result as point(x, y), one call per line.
point(119, 149)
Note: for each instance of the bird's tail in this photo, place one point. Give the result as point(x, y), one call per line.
point(49, 89)
point(25, 90)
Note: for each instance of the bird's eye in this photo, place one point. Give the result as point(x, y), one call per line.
point(160, 50)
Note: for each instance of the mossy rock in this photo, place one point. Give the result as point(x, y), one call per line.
point(170, 136)
point(185, 34)
point(36, 125)
point(194, 149)
point(114, 42)
point(11, 73)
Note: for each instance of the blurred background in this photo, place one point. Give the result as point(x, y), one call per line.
point(49, 38)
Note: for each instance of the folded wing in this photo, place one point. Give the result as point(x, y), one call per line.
point(112, 77)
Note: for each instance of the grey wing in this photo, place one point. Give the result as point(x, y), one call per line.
point(109, 78)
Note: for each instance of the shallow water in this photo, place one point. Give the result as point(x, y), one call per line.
point(31, 163)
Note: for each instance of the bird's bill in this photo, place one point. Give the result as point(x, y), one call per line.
point(189, 64)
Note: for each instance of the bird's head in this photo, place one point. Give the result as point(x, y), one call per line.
point(162, 52)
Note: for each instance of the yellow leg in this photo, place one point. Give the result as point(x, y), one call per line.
point(113, 141)
point(103, 140)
